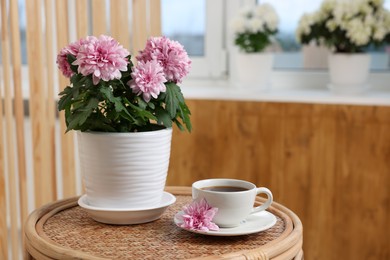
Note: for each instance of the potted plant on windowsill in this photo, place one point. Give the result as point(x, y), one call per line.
point(254, 28)
point(123, 115)
point(347, 28)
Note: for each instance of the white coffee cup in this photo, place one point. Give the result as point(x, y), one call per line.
point(233, 206)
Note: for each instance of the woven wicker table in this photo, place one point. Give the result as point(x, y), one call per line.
point(63, 230)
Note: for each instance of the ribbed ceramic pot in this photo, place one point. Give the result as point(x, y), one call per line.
point(254, 70)
point(349, 72)
point(124, 170)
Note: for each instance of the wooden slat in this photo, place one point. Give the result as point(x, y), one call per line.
point(67, 142)
point(51, 109)
point(99, 25)
point(11, 172)
point(82, 18)
point(139, 25)
point(119, 22)
point(19, 109)
point(155, 17)
point(38, 104)
point(3, 198)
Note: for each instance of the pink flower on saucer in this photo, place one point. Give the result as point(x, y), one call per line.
point(198, 216)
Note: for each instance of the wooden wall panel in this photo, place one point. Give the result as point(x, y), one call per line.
point(99, 25)
point(68, 163)
point(155, 17)
point(119, 18)
point(51, 108)
point(9, 130)
point(18, 107)
point(3, 196)
point(82, 17)
point(329, 163)
point(139, 25)
point(43, 168)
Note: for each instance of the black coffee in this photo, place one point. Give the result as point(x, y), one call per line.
point(224, 188)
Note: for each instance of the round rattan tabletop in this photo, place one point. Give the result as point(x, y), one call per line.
point(63, 230)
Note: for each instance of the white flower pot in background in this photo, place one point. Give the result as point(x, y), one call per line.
point(254, 70)
point(124, 170)
point(349, 73)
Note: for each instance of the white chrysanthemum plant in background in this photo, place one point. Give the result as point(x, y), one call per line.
point(346, 26)
point(254, 27)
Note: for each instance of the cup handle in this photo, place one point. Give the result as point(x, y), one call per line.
point(267, 203)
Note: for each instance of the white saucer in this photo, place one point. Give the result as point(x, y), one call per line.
point(118, 216)
point(254, 223)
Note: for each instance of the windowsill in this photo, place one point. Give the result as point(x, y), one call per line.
point(299, 86)
point(290, 86)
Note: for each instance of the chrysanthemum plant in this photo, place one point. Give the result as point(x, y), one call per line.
point(108, 93)
point(346, 26)
point(254, 27)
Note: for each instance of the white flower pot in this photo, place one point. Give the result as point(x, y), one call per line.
point(349, 73)
point(124, 170)
point(254, 70)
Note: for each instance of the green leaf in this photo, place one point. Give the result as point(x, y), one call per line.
point(185, 116)
point(141, 103)
point(179, 95)
point(77, 79)
point(67, 115)
point(163, 117)
point(127, 116)
point(141, 112)
point(79, 116)
point(71, 59)
point(75, 120)
point(98, 125)
point(176, 107)
point(151, 105)
point(66, 91)
point(66, 99)
point(179, 125)
point(93, 103)
point(171, 99)
point(106, 91)
point(162, 96)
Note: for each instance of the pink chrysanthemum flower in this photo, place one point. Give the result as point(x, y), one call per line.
point(62, 59)
point(102, 57)
point(147, 79)
point(198, 216)
point(170, 54)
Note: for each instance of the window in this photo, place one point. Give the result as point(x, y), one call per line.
point(291, 56)
point(202, 27)
point(198, 25)
point(185, 22)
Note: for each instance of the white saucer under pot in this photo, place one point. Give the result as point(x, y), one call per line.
point(127, 216)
